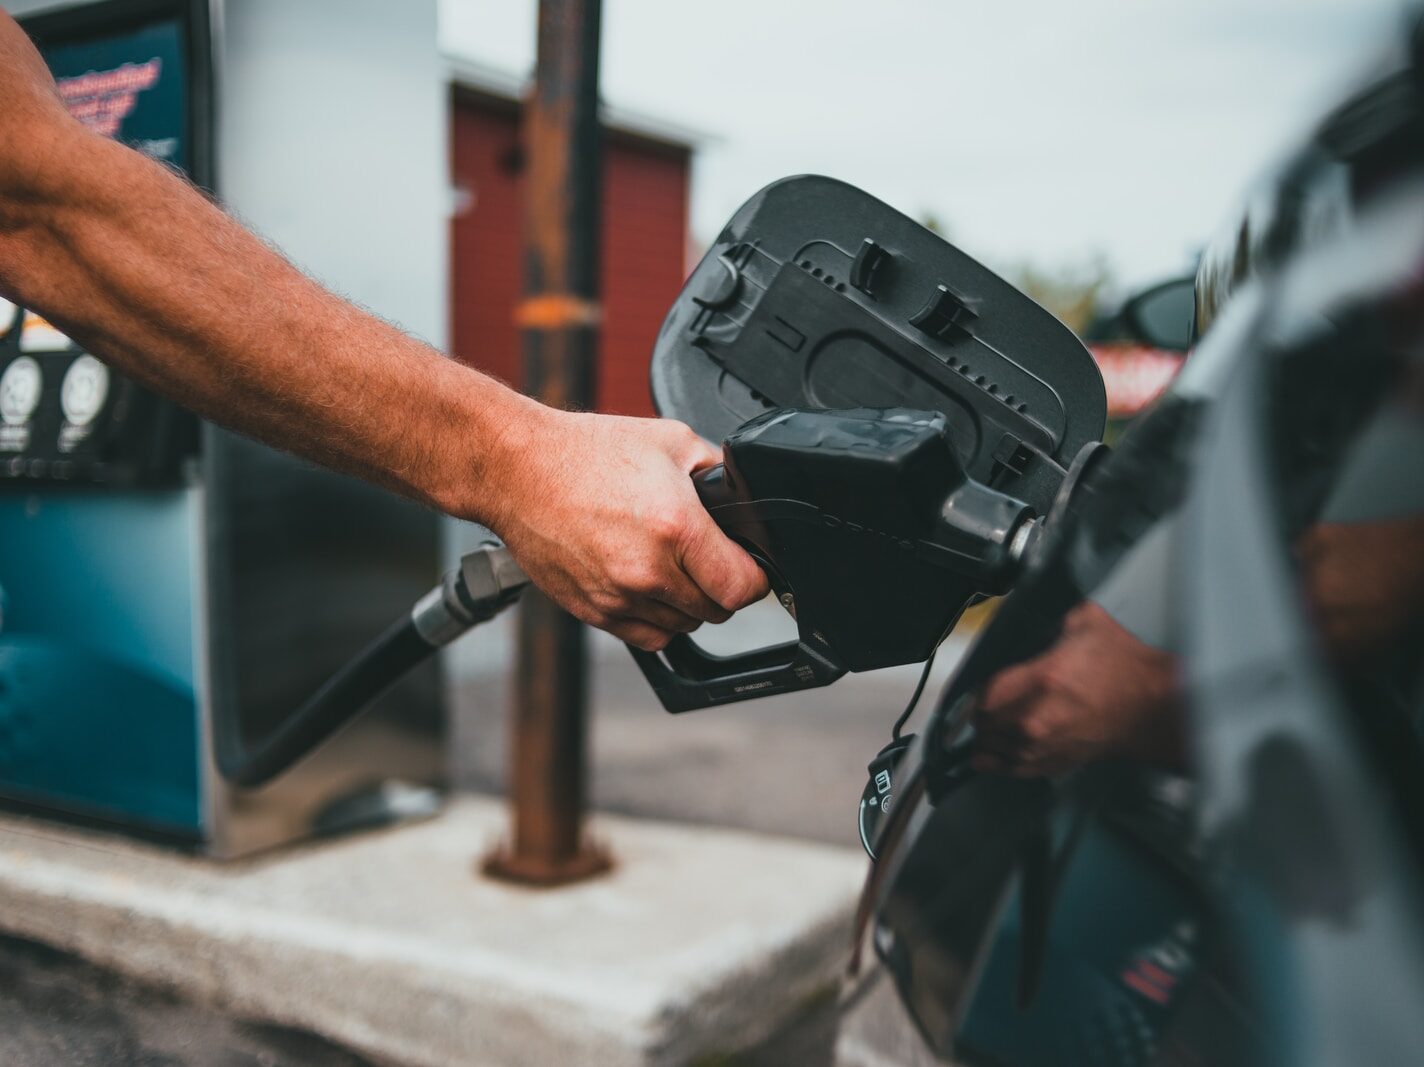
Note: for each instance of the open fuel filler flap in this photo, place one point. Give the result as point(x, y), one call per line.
point(896, 419)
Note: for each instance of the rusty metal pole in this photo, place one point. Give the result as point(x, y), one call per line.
point(559, 320)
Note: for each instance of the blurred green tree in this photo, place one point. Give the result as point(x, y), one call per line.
point(1072, 291)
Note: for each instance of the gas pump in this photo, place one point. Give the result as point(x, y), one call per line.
point(164, 584)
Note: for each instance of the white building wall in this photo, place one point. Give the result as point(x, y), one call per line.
point(333, 144)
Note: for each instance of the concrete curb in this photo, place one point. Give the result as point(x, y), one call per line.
point(702, 942)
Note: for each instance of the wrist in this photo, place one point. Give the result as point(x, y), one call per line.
point(496, 434)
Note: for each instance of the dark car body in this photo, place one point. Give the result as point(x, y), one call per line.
point(1262, 524)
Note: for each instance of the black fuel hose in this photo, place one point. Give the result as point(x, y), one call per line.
point(376, 668)
point(486, 582)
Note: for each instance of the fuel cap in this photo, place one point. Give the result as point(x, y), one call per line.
point(878, 797)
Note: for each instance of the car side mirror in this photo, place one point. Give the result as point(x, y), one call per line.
point(1162, 316)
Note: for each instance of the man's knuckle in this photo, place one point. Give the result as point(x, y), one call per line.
point(1034, 730)
point(644, 579)
point(607, 602)
point(668, 523)
point(679, 435)
point(1057, 675)
point(627, 575)
point(650, 640)
point(753, 585)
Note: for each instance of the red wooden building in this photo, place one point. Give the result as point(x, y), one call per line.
point(645, 233)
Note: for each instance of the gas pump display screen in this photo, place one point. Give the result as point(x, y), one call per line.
point(136, 71)
point(132, 87)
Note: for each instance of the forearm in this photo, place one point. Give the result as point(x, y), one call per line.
point(142, 271)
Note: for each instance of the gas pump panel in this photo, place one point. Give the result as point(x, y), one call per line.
point(66, 418)
point(139, 73)
point(162, 582)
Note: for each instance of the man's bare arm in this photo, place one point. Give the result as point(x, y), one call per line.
point(136, 265)
point(142, 270)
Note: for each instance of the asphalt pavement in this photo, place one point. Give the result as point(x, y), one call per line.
point(791, 765)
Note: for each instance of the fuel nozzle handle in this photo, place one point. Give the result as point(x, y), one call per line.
point(725, 502)
point(872, 534)
point(980, 532)
point(714, 487)
point(685, 677)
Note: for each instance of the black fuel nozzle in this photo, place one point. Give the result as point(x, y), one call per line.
point(870, 531)
point(985, 535)
point(485, 583)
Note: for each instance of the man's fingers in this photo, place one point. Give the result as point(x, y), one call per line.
point(1007, 688)
point(1005, 753)
point(687, 599)
point(1029, 769)
point(664, 616)
point(998, 756)
point(721, 569)
point(1083, 617)
point(725, 577)
point(988, 763)
point(1004, 705)
point(640, 634)
point(690, 450)
point(1004, 743)
point(702, 455)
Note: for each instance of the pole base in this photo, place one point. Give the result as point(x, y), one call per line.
point(505, 865)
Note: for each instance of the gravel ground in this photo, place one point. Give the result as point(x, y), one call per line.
point(56, 1011)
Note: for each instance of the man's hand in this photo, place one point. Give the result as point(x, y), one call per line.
point(601, 513)
point(1098, 692)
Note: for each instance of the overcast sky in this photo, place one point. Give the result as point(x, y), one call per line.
point(1038, 129)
